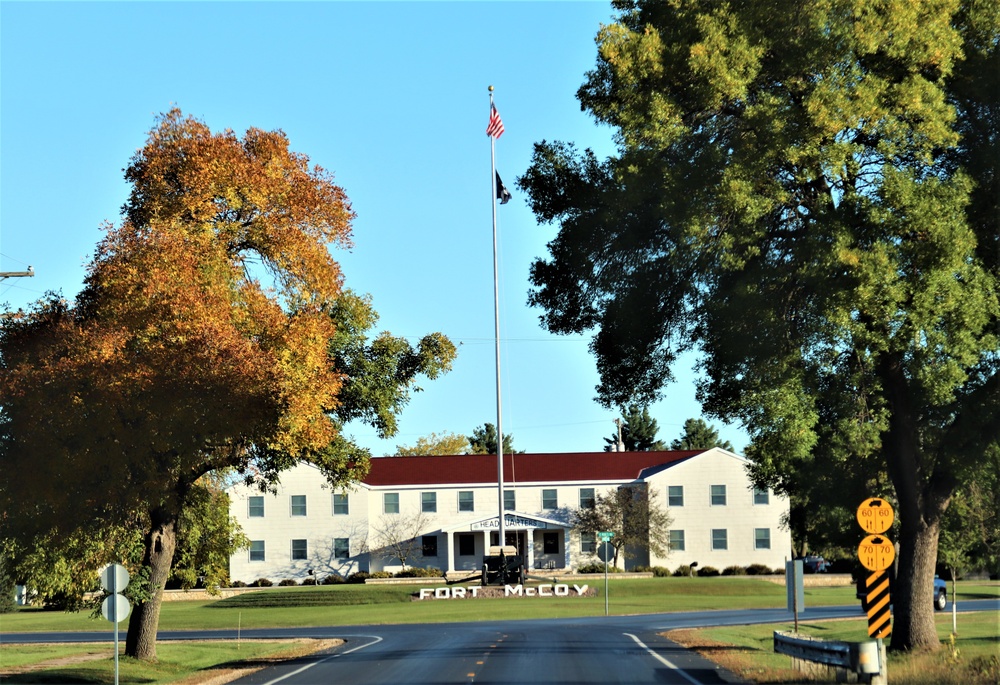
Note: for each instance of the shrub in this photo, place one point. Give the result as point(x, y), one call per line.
point(758, 570)
point(597, 567)
point(708, 571)
point(419, 572)
point(358, 577)
point(683, 570)
point(261, 582)
point(734, 571)
point(661, 572)
point(380, 574)
point(237, 583)
point(334, 579)
point(286, 582)
point(309, 581)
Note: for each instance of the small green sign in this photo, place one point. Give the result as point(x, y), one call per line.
point(605, 535)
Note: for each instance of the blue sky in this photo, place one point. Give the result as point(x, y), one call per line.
point(392, 98)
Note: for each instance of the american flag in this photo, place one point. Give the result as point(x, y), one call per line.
point(495, 129)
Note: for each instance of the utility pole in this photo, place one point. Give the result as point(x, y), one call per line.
point(620, 447)
point(18, 274)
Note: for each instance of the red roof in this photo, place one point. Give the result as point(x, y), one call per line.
point(521, 468)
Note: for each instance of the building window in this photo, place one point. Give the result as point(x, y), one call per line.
point(467, 545)
point(341, 505)
point(508, 500)
point(675, 495)
point(760, 496)
point(298, 505)
point(256, 550)
point(720, 538)
point(300, 550)
point(762, 538)
point(429, 502)
point(390, 503)
point(588, 543)
point(718, 495)
point(549, 500)
point(429, 545)
point(677, 541)
point(256, 507)
point(466, 500)
point(341, 548)
point(550, 543)
point(587, 499)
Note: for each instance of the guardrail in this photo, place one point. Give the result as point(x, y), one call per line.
point(866, 659)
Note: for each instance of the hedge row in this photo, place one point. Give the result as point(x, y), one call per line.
point(686, 570)
point(335, 579)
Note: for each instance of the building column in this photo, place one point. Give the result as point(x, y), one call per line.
point(529, 534)
point(450, 544)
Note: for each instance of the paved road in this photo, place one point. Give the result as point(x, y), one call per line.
point(617, 649)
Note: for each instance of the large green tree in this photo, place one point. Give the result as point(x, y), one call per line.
point(213, 333)
point(638, 432)
point(633, 513)
point(807, 193)
point(698, 435)
point(484, 441)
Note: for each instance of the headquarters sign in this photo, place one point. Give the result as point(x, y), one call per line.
point(510, 521)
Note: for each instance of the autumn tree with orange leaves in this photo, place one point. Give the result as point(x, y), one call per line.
point(213, 333)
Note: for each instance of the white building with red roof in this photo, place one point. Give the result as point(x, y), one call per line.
point(443, 512)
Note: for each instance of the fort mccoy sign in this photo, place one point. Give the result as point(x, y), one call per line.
point(480, 592)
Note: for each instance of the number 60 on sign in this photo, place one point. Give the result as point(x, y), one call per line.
point(875, 515)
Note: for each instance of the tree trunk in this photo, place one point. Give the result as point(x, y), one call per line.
point(913, 594)
point(160, 543)
point(922, 496)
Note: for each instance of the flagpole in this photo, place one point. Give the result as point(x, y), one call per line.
point(496, 326)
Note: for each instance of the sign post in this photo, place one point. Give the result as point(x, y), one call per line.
point(605, 536)
point(795, 593)
point(876, 553)
point(115, 607)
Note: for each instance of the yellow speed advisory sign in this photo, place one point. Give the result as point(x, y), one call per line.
point(876, 553)
point(875, 515)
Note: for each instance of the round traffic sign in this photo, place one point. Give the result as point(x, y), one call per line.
point(115, 608)
point(875, 515)
point(876, 553)
point(114, 578)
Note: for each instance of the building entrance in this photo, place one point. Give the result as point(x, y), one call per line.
point(514, 538)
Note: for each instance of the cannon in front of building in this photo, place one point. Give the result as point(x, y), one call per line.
point(503, 566)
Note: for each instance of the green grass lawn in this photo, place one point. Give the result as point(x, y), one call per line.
point(380, 604)
point(376, 604)
point(188, 662)
point(972, 658)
